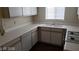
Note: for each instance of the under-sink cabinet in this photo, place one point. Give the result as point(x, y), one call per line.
point(54, 36)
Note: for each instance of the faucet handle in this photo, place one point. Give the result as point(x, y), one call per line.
point(2, 31)
point(1, 28)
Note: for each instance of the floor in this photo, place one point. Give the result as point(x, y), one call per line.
point(40, 46)
point(71, 46)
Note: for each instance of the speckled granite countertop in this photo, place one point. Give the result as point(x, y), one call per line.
point(17, 32)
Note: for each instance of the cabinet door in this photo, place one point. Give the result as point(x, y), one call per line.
point(4, 12)
point(1, 14)
point(45, 36)
point(34, 37)
point(56, 38)
point(34, 10)
point(14, 45)
point(27, 11)
point(29, 42)
point(15, 11)
point(26, 41)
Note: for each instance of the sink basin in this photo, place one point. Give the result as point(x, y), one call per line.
point(54, 25)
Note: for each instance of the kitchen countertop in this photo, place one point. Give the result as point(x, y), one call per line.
point(68, 27)
point(13, 34)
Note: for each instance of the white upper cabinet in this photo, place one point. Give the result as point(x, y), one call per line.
point(34, 10)
point(29, 11)
point(78, 12)
point(26, 11)
point(22, 11)
point(15, 11)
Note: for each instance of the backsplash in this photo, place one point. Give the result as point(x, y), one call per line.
point(13, 22)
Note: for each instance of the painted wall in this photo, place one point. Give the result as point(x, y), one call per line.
point(13, 22)
point(70, 17)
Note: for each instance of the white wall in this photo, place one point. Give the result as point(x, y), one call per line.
point(13, 22)
point(70, 17)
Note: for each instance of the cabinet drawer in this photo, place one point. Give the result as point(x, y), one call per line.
point(14, 45)
point(12, 42)
point(34, 30)
point(26, 34)
point(45, 28)
point(57, 29)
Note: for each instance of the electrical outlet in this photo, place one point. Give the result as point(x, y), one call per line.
point(14, 22)
point(2, 32)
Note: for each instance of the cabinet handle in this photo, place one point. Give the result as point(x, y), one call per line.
point(72, 38)
point(72, 33)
